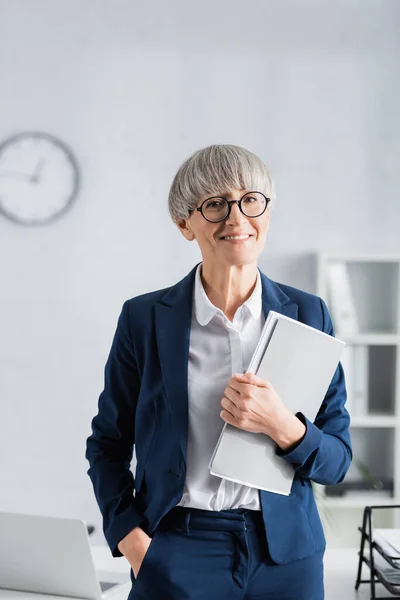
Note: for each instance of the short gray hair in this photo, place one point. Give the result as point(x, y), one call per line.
point(216, 170)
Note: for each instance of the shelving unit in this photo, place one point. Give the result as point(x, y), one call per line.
point(381, 558)
point(357, 500)
point(362, 293)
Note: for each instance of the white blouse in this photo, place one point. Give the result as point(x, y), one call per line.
point(218, 349)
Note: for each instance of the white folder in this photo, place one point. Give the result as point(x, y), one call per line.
point(299, 361)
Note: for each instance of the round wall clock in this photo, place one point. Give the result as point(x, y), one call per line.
point(39, 178)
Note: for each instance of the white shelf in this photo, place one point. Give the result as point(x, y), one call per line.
point(359, 257)
point(371, 339)
point(374, 421)
point(363, 295)
point(359, 500)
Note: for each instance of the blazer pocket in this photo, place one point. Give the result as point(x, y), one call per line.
point(141, 463)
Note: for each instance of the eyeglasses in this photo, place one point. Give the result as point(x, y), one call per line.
point(217, 208)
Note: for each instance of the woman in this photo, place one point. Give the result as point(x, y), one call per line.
point(176, 372)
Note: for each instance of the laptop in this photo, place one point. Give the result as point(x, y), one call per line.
point(52, 555)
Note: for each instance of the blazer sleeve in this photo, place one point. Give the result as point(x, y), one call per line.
point(109, 448)
point(324, 453)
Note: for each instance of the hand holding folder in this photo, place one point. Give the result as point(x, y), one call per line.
point(300, 362)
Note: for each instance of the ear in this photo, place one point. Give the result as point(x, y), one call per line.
point(185, 230)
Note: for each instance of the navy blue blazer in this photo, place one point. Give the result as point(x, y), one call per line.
point(144, 405)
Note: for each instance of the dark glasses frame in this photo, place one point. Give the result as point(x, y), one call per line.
point(230, 202)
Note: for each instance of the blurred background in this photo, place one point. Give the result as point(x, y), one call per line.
point(125, 91)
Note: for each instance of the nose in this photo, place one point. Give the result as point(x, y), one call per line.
point(235, 216)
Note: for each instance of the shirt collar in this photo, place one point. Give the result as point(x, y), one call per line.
point(204, 309)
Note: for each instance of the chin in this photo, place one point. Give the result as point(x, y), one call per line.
point(239, 261)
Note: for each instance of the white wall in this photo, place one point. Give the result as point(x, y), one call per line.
point(312, 87)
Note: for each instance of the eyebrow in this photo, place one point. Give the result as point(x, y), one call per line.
point(226, 193)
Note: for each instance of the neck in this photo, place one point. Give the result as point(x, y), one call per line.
point(228, 287)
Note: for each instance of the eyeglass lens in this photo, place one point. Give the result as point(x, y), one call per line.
point(216, 209)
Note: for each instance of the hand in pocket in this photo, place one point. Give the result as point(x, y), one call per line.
point(137, 561)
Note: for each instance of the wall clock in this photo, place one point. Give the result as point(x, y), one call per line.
point(39, 178)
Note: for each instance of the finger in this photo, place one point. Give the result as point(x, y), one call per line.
point(229, 407)
point(232, 393)
point(227, 417)
point(241, 384)
point(251, 379)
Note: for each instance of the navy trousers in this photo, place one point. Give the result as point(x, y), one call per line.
point(216, 555)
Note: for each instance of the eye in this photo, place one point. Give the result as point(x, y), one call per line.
point(214, 204)
point(250, 199)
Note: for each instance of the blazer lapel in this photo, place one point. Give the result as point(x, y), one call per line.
point(274, 298)
point(173, 316)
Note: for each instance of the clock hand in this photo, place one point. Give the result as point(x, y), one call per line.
point(38, 170)
point(16, 175)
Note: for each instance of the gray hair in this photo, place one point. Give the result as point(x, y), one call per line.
point(216, 170)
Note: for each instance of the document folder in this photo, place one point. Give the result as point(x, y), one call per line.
point(299, 361)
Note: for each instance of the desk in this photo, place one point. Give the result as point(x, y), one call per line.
point(340, 576)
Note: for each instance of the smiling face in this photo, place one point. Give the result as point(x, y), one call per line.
point(215, 239)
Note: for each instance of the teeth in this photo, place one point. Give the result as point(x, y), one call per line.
point(236, 237)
